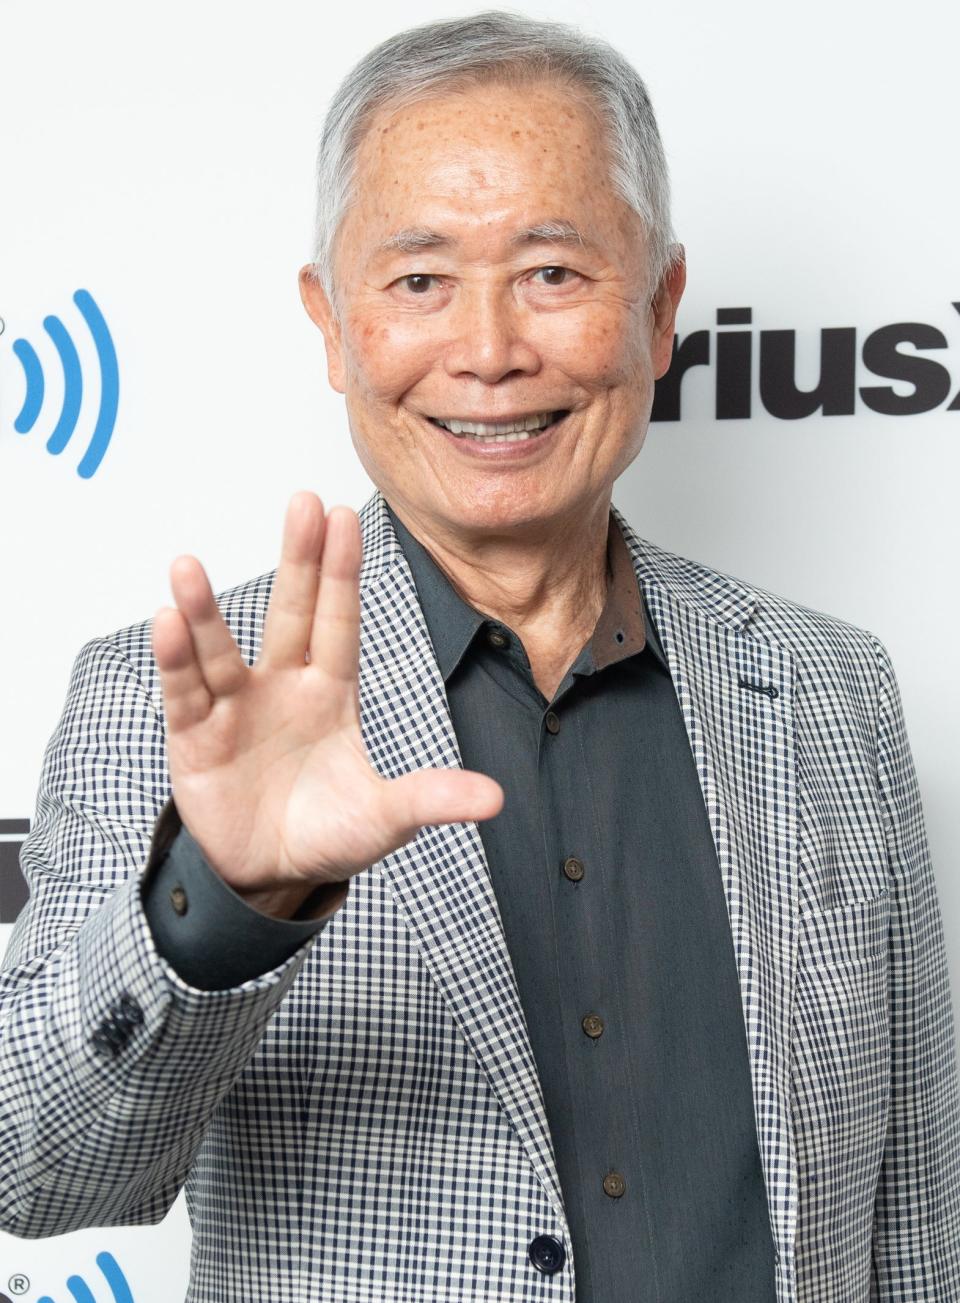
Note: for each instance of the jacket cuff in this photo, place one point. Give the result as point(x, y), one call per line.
point(204, 929)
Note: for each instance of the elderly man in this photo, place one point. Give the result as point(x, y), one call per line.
point(541, 915)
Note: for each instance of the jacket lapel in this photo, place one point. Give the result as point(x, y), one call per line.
point(736, 693)
point(440, 881)
point(743, 745)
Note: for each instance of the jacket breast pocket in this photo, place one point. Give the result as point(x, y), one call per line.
point(855, 932)
point(841, 1065)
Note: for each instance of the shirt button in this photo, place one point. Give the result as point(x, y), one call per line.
point(178, 899)
point(547, 1254)
point(552, 721)
point(592, 1024)
point(614, 1185)
point(573, 868)
point(497, 639)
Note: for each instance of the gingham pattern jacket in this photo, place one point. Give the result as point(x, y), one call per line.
point(364, 1123)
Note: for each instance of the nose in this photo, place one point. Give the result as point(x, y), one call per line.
point(487, 340)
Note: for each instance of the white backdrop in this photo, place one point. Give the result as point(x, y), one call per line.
point(162, 160)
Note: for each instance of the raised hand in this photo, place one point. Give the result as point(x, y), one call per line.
point(267, 764)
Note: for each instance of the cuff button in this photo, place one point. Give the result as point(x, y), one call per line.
point(128, 1011)
point(104, 1044)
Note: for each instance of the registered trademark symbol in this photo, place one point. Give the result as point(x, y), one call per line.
point(18, 1284)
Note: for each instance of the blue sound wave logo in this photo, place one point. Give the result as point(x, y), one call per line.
point(73, 384)
point(112, 1274)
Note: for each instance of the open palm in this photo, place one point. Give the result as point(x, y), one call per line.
point(267, 764)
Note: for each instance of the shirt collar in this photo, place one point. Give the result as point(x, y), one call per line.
point(623, 629)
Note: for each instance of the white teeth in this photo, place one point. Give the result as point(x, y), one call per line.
point(500, 432)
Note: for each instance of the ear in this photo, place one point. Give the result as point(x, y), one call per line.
point(321, 313)
point(665, 304)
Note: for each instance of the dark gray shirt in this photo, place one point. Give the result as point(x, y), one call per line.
point(609, 890)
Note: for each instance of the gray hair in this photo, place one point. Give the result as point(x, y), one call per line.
point(494, 45)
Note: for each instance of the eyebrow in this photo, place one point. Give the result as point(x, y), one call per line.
point(556, 230)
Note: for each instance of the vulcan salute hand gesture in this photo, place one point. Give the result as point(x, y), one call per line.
point(267, 764)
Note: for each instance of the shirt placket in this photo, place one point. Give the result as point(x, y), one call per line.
point(611, 1193)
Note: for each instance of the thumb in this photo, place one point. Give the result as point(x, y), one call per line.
point(434, 796)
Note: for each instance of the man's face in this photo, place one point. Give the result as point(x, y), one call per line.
point(464, 294)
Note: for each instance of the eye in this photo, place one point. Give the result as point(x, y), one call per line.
point(417, 282)
point(555, 275)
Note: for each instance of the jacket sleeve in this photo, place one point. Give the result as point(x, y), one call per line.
point(916, 1231)
point(111, 1064)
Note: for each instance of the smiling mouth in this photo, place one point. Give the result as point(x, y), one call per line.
point(524, 427)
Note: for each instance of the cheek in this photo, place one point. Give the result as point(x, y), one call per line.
point(600, 348)
point(387, 355)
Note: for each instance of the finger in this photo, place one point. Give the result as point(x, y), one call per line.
point(437, 796)
point(186, 698)
point(335, 638)
point(216, 652)
point(293, 599)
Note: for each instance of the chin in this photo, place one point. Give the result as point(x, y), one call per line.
point(502, 511)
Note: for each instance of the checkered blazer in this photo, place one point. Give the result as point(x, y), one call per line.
point(364, 1123)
